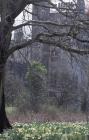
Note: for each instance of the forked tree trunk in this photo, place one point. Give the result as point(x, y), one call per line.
point(4, 123)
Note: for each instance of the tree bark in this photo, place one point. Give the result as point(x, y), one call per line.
point(4, 122)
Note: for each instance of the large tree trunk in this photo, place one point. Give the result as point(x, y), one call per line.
point(4, 123)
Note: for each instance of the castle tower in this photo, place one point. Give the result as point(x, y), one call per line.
point(41, 13)
point(81, 6)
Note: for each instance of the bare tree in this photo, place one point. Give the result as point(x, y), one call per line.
point(64, 36)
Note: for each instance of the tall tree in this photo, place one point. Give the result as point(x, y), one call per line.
point(10, 9)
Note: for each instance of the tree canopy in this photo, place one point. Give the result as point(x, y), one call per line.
point(75, 23)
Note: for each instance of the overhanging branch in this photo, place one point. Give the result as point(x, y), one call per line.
point(65, 48)
point(45, 39)
point(20, 46)
point(36, 23)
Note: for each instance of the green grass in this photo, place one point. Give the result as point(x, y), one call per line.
point(47, 131)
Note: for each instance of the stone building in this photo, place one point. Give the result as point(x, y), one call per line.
point(58, 62)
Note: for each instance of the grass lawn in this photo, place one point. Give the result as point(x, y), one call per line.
point(47, 131)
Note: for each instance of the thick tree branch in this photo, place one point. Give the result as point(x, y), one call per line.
point(36, 22)
point(63, 47)
point(44, 38)
point(18, 9)
point(20, 46)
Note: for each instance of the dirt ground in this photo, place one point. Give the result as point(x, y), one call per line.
point(44, 117)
